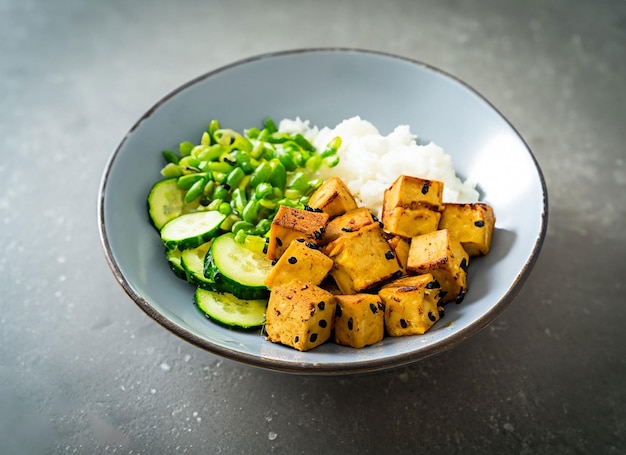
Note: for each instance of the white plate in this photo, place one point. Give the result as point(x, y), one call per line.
point(327, 86)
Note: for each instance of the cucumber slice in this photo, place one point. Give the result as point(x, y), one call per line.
point(192, 262)
point(166, 201)
point(237, 269)
point(230, 310)
point(174, 259)
point(191, 230)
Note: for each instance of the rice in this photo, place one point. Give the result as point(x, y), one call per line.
point(370, 162)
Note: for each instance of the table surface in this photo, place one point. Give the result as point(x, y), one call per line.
point(84, 370)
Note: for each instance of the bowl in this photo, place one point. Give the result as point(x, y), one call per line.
point(327, 86)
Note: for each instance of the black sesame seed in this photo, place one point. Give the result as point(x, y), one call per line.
point(323, 323)
point(321, 305)
point(296, 339)
point(229, 161)
point(425, 188)
point(308, 208)
point(338, 311)
point(346, 229)
point(350, 324)
point(390, 255)
point(292, 259)
point(397, 274)
point(403, 323)
point(381, 225)
point(381, 306)
point(460, 297)
point(226, 186)
point(434, 284)
point(274, 261)
point(464, 265)
point(441, 311)
point(374, 308)
point(232, 140)
point(279, 242)
point(431, 316)
point(313, 337)
point(311, 245)
point(317, 234)
point(479, 223)
point(374, 217)
point(300, 240)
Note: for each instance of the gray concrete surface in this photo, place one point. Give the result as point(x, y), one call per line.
point(83, 370)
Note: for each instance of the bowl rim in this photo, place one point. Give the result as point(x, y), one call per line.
point(306, 367)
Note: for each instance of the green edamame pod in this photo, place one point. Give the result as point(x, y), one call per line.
point(235, 176)
point(185, 148)
point(187, 181)
point(210, 153)
point(260, 174)
point(214, 125)
point(171, 170)
point(270, 126)
point(278, 174)
point(304, 143)
point(250, 211)
point(170, 156)
point(194, 191)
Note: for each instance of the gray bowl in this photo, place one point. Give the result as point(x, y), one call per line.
point(326, 86)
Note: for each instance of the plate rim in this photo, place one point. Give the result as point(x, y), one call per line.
point(308, 368)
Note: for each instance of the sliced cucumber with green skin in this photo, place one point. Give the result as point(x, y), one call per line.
point(191, 230)
point(174, 259)
point(166, 201)
point(237, 269)
point(192, 262)
point(230, 310)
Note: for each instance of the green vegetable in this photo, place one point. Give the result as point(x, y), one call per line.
point(236, 269)
point(191, 229)
point(243, 176)
point(230, 310)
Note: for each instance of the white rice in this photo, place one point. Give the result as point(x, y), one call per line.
point(370, 162)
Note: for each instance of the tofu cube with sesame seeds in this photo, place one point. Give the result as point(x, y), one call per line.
point(411, 305)
point(412, 206)
point(300, 260)
point(300, 315)
point(348, 222)
point(362, 260)
point(411, 222)
point(400, 246)
point(442, 256)
point(359, 320)
point(412, 192)
point(333, 197)
point(291, 224)
point(471, 224)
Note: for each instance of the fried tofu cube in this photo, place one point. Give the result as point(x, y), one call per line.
point(333, 198)
point(412, 192)
point(412, 206)
point(362, 260)
point(470, 224)
point(359, 320)
point(291, 224)
point(442, 256)
point(300, 315)
point(400, 246)
point(411, 222)
point(348, 222)
point(410, 305)
point(300, 260)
